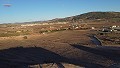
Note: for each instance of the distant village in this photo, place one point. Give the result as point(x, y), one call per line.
point(113, 28)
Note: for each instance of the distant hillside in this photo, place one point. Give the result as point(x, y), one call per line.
point(86, 17)
point(91, 16)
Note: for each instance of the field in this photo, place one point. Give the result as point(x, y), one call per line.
point(58, 41)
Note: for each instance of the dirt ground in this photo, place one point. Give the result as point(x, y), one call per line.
point(48, 39)
point(59, 43)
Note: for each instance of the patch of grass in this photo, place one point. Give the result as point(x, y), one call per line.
point(12, 33)
point(9, 34)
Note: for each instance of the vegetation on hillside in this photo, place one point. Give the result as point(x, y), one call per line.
point(93, 16)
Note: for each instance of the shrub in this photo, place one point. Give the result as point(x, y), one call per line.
point(25, 37)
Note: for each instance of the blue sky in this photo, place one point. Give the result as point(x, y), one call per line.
point(36, 10)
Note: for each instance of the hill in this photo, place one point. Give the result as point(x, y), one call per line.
point(83, 18)
point(91, 16)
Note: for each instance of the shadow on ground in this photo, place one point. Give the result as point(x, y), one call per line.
point(112, 53)
point(23, 57)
